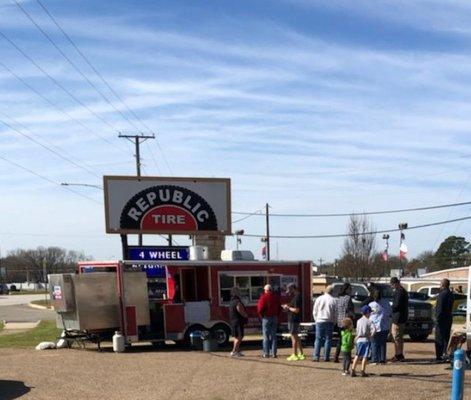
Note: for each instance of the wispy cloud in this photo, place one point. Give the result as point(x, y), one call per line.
point(303, 120)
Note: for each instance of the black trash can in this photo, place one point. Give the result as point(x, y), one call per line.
point(210, 342)
point(196, 340)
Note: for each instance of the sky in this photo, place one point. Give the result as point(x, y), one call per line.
point(310, 106)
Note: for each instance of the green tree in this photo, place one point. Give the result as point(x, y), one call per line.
point(452, 253)
point(426, 260)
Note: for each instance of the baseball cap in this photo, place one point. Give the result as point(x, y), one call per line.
point(366, 310)
point(290, 286)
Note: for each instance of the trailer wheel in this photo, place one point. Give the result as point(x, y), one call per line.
point(221, 333)
point(192, 329)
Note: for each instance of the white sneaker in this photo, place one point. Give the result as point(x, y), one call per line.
point(234, 354)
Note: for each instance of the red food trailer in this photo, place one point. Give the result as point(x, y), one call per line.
point(189, 296)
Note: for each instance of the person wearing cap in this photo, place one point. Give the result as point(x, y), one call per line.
point(400, 314)
point(294, 319)
point(268, 309)
point(365, 331)
point(325, 316)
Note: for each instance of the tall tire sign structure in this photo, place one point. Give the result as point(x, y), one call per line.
point(148, 205)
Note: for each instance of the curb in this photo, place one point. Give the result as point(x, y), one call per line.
point(38, 307)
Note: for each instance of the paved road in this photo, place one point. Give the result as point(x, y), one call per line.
point(23, 313)
point(10, 300)
point(15, 309)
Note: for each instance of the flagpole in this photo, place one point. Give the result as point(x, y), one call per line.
point(402, 227)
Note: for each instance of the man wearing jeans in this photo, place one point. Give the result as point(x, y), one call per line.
point(325, 315)
point(268, 308)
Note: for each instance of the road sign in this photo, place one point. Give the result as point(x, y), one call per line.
point(158, 253)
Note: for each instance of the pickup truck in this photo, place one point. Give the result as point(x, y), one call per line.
point(420, 323)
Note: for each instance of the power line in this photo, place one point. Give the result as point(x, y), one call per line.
point(88, 62)
point(72, 64)
point(363, 213)
point(363, 233)
point(51, 150)
point(57, 107)
point(48, 179)
point(258, 212)
point(55, 82)
point(101, 77)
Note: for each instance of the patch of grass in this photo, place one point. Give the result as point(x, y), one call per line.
point(44, 303)
point(15, 293)
point(459, 319)
point(46, 331)
point(1, 326)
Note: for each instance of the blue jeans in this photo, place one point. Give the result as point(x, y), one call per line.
point(269, 327)
point(324, 331)
point(378, 347)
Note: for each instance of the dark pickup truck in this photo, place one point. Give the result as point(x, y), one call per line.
point(420, 323)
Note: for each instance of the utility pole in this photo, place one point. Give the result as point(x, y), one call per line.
point(267, 217)
point(137, 140)
point(321, 260)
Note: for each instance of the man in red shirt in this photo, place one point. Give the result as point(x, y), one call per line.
point(268, 309)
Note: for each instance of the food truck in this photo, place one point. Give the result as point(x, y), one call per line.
point(160, 293)
point(156, 301)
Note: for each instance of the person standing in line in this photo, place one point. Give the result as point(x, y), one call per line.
point(238, 318)
point(344, 307)
point(268, 309)
point(294, 319)
point(347, 337)
point(325, 316)
point(444, 319)
point(365, 331)
point(400, 314)
point(380, 317)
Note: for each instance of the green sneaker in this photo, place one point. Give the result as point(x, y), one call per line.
point(301, 357)
point(293, 357)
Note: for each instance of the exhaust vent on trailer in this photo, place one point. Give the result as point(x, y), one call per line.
point(237, 255)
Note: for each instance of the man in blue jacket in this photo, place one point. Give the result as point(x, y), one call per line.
point(444, 319)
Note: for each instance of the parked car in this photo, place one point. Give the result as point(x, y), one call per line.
point(4, 288)
point(430, 291)
point(420, 323)
point(458, 298)
point(461, 309)
point(419, 296)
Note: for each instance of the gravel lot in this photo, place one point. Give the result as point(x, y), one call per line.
point(145, 373)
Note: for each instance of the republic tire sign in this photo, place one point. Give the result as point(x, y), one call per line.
point(167, 205)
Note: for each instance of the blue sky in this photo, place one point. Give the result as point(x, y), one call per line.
point(311, 106)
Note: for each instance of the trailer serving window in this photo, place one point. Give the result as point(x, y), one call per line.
point(250, 285)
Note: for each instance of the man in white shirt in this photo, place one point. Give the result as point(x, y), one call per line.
point(325, 316)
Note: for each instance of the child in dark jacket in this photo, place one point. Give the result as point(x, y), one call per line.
point(347, 338)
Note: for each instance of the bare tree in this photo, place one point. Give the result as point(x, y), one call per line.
point(358, 248)
point(29, 264)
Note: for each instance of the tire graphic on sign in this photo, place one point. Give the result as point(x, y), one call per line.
point(168, 208)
